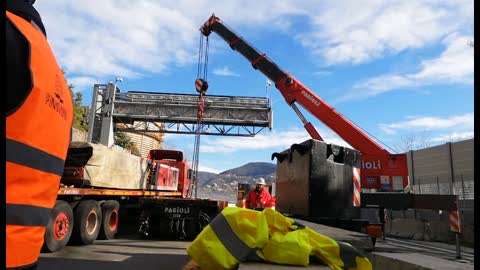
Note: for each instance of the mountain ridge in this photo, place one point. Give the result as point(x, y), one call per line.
point(224, 185)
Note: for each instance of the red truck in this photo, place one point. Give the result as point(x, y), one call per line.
point(99, 183)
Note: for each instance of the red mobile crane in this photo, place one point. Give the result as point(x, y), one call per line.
point(378, 165)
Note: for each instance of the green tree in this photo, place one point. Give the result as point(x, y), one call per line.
point(79, 113)
point(80, 120)
point(122, 140)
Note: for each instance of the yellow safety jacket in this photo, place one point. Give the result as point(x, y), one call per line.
point(238, 235)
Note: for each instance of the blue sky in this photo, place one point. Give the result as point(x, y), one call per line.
point(401, 70)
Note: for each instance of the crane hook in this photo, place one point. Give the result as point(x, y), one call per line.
point(201, 86)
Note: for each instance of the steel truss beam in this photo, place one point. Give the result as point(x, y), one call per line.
point(174, 113)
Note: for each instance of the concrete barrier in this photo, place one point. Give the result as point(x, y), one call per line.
point(438, 231)
point(405, 228)
point(78, 135)
point(431, 225)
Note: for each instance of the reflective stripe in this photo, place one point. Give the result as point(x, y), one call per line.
point(230, 240)
point(29, 156)
point(27, 215)
point(348, 255)
point(356, 187)
point(455, 225)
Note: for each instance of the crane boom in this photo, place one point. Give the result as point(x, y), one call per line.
point(378, 164)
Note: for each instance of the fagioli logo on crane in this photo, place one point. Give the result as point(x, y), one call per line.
point(371, 165)
point(310, 97)
point(179, 210)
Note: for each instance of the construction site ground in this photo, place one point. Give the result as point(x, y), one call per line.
point(132, 251)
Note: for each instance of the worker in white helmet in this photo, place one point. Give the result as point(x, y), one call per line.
point(258, 197)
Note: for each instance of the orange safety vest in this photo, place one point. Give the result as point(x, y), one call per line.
point(37, 139)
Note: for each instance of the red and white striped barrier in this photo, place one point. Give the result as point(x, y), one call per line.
point(455, 225)
point(356, 187)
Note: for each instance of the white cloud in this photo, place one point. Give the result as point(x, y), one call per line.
point(208, 169)
point(278, 140)
point(361, 31)
point(225, 71)
point(111, 39)
point(454, 65)
point(82, 83)
point(275, 139)
point(128, 38)
point(131, 38)
point(454, 136)
point(464, 122)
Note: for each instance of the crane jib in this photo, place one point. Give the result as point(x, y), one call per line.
point(384, 164)
point(259, 60)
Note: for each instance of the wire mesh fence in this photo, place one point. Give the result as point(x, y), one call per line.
point(461, 186)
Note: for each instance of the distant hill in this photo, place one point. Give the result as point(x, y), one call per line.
point(253, 169)
point(204, 177)
point(223, 186)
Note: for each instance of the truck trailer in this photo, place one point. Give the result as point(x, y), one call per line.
point(99, 181)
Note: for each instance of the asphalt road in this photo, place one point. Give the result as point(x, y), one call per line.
point(126, 252)
point(133, 252)
point(434, 249)
point(130, 251)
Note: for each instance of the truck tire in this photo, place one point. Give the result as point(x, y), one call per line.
point(59, 228)
point(87, 220)
point(109, 225)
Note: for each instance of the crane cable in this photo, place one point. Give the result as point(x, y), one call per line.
point(201, 86)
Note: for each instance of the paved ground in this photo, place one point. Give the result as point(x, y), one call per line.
point(434, 249)
point(132, 252)
point(119, 254)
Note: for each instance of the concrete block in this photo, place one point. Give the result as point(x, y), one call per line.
point(410, 213)
point(404, 228)
point(78, 135)
point(445, 216)
point(113, 168)
point(436, 231)
point(467, 237)
point(428, 215)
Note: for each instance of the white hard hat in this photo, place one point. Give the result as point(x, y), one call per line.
point(260, 181)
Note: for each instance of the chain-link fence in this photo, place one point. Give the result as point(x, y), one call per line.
point(445, 169)
point(461, 186)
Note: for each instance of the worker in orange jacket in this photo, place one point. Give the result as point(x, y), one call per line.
point(39, 114)
point(258, 197)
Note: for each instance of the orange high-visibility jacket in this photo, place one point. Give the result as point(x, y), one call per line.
point(37, 140)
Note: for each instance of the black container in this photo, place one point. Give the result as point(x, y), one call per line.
point(315, 180)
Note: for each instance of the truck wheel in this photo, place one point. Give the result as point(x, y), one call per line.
point(109, 220)
point(59, 228)
point(87, 219)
